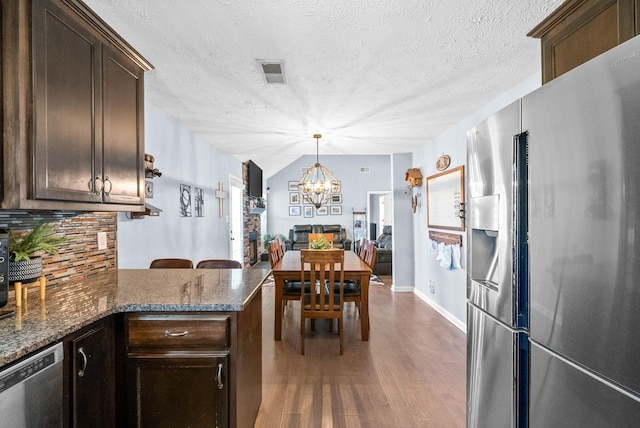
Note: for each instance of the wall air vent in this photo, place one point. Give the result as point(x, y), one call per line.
point(365, 169)
point(272, 71)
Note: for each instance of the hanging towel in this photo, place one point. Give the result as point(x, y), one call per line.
point(440, 254)
point(446, 257)
point(433, 246)
point(455, 257)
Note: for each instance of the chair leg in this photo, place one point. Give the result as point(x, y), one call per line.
point(302, 335)
point(340, 332)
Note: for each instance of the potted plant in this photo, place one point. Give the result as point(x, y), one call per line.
point(26, 250)
point(266, 241)
point(320, 244)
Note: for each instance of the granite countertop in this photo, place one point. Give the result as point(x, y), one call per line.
point(70, 306)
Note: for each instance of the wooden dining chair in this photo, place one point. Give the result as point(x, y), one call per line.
point(291, 289)
point(315, 236)
point(219, 264)
point(363, 242)
point(352, 289)
point(171, 264)
point(322, 301)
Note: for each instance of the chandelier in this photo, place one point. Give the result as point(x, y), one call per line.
point(317, 184)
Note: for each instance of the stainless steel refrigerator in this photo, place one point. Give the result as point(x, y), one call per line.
point(575, 254)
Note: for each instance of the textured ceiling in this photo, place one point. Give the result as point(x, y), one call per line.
point(374, 77)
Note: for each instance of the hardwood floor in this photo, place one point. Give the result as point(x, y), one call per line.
point(411, 372)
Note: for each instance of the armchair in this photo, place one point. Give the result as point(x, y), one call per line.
point(384, 254)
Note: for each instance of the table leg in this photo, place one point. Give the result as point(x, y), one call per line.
point(277, 307)
point(364, 306)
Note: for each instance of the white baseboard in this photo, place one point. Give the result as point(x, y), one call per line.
point(442, 311)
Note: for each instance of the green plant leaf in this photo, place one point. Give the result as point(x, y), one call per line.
point(40, 239)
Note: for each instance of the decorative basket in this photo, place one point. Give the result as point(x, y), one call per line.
point(25, 271)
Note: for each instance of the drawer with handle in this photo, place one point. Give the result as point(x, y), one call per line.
point(178, 330)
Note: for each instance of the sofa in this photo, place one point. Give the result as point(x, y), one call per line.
point(384, 252)
point(299, 235)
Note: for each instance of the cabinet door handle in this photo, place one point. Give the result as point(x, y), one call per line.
point(220, 383)
point(180, 334)
point(93, 187)
point(107, 180)
point(84, 362)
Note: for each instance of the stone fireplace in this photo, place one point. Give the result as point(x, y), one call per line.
point(253, 247)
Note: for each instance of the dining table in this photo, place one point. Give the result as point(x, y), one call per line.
point(288, 268)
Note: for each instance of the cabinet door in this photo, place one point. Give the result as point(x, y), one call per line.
point(189, 390)
point(93, 384)
point(123, 102)
point(66, 65)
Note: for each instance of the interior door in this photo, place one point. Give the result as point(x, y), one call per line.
point(236, 219)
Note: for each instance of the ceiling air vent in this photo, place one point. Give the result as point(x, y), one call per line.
point(273, 71)
point(365, 169)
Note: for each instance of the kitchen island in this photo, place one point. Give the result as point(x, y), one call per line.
point(231, 295)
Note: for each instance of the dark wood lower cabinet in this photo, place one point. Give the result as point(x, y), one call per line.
point(179, 391)
point(194, 369)
point(91, 377)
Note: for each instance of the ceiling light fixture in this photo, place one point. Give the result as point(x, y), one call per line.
point(318, 184)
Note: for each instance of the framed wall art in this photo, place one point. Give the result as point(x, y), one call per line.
point(336, 209)
point(322, 210)
point(198, 201)
point(445, 197)
point(294, 198)
point(294, 210)
point(336, 198)
point(185, 200)
point(293, 186)
point(307, 211)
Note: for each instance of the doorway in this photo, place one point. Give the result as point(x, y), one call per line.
point(236, 220)
point(379, 212)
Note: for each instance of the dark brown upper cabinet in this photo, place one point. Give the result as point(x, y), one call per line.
point(580, 30)
point(73, 113)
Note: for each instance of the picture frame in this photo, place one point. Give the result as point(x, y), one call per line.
point(322, 211)
point(445, 199)
point(335, 186)
point(336, 210)
point(293, 186)
point(294, 211)
point(307, 211)
point(198, 200)
point(294, 198)
point(336, 198)
point(185, 200)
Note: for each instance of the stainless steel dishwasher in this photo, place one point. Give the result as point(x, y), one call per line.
point(31, 391)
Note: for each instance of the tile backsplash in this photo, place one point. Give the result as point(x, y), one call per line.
point(80, 256)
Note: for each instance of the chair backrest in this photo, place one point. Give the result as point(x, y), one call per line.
point(361, 248)
point(280, 245)
point(315, 236)
point(370, 254)
point(322, 270)
point(219, 264)
point(274, 253)
point(171, 264)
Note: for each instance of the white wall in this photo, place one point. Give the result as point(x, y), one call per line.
point(402, 232)
point(183, 158)
point(449, 296)
point(354, 187)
